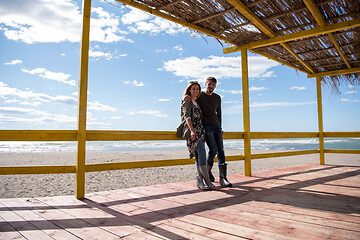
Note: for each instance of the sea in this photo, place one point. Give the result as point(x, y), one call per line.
point(111, 146)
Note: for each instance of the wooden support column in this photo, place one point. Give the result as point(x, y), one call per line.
point(83, 86)
point(320, 120)
point(246, 112)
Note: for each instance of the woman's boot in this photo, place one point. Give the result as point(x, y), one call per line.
point(199, 180)
point(223, 180)
point(205, 173)
point(211, 177)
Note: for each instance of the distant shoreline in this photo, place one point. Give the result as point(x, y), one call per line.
point(15, 186)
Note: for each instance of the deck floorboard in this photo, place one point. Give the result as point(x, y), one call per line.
point(302, 202)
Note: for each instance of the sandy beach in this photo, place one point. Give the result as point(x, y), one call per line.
point(15, 186)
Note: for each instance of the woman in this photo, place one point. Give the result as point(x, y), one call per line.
point(191, 113)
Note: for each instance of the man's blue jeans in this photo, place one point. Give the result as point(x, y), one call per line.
point(214, 140)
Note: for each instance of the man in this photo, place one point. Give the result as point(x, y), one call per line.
point(210, 104)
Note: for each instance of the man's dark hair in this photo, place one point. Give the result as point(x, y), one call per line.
point(211, 79)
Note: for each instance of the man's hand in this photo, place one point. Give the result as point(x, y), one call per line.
point(186, 98)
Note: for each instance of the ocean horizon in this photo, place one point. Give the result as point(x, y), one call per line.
point(233, 144)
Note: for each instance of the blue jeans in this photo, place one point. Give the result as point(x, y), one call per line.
point(214, 140)
point(200, 155)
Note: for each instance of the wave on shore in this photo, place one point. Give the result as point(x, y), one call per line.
point(110, 146)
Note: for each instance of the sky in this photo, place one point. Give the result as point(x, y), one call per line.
point(139, 67)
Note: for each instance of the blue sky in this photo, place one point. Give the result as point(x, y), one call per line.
point(139, 67)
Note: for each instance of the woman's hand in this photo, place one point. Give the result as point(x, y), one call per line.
point(192, 135)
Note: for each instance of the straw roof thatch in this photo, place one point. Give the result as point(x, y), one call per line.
point(251, 23)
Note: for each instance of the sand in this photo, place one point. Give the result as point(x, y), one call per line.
point(41, 185)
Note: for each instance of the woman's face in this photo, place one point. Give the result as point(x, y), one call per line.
point(194, 90)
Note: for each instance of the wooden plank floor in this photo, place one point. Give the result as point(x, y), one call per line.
point(303, 202)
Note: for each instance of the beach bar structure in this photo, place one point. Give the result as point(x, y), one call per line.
point(320, 38)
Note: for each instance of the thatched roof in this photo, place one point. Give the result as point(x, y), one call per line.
point(312, 36)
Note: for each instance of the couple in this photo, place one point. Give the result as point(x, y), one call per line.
point(202, 113)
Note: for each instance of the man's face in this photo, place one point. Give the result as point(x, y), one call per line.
point(210, 86)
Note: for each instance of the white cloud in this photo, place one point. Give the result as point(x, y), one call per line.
point(349, 100)
point(60, 77)
point(31, 103)
point(34, 116)
point(155, 113)
point(55, 21)
point(350, 92)
point(251, 89)
point(140, 21)
point(7, 92)
point(13, 62)
point(163, 100)
point(135, 83)
point(179, 48)
point(297, 88)
point(257, 89)
point(100, 107)
point(99, 54)
point(231, 102)
point(117, 117)
point(231, 91)
point(161, 50)
point(34, 99)
point(198, 69)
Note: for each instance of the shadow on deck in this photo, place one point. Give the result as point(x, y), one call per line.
point(302, 202)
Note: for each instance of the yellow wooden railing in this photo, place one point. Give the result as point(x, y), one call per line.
point(71, 135)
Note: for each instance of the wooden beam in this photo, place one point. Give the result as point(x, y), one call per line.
point(305, 64)
point(174, 19)
point(169, 4)
point(314, 10)
point(282, 154)
point(83, 83)
point(320, 120)
point(244, 10)
point(342, 134)
point(214, 15)
point(299, 35)
point(246, 112)
point(335, 72)
point(338, 49)
point(260, 24)
point(347, 151)
point(321, 22)
point(38, 135)
point(278, 60)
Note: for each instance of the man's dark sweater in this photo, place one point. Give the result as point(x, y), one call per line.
point(211, 109)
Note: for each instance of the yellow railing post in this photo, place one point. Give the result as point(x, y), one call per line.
point(246, 112)
point(83, 82)
point(320, 121)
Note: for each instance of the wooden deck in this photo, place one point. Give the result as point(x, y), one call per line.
point(304, 202)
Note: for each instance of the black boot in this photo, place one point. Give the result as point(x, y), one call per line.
point(223, 180)
point(211, 177)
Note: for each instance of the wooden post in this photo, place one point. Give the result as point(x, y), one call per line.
point(320, 121)
point(246, 112)
point(83, 82)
